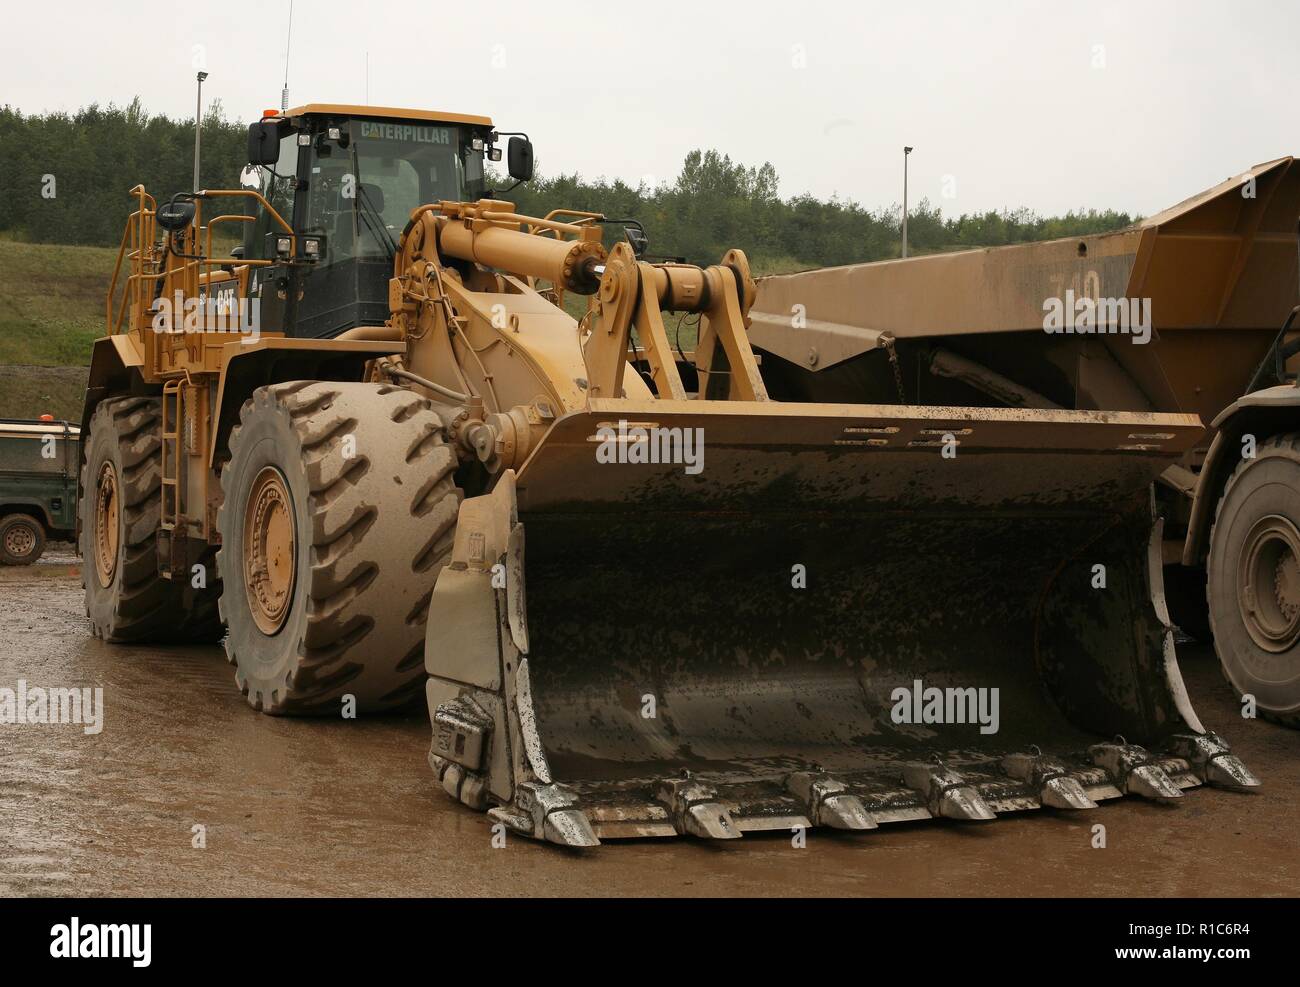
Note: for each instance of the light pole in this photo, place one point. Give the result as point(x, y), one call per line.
point(906, 151)
point(198, 127)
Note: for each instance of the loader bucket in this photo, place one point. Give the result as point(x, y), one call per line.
point(849, 616)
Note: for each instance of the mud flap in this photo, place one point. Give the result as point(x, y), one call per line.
point(809, 631)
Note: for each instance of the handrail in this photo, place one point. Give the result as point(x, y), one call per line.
point(137, 249)
point(232, 217)
point(112, 283)
point(532, 221)
point(582, 214)
point(252, 194)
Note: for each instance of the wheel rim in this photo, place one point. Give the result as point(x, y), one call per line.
point(107, 518)
point(269, 550)
point(20, 540)
point(1268, 575)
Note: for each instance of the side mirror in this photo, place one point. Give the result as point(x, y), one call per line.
point(519, 159)
point(264, 142)
point(175, 214)
point(637, 239)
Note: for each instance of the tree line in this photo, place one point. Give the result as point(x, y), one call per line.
point(715, 204)
point(64, 178)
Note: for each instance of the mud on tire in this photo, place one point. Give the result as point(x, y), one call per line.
point(1255, 541)
point(126, 599)
point(365, 477)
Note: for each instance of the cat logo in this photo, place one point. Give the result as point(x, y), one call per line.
point(405, 132)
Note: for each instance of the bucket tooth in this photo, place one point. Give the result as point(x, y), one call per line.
point(844, 812)
point(710, 821)
point(1227, 771)
point(1211, 758)
point(696, 811)
point(1064, 792)
point(829, 802)
point(1050, 778)
point(1133, 770)
point(947, 794)
point(554, 813)
point(1151, 781)
point(569, 827)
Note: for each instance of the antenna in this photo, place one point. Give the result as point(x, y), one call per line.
point(284, 94)
point(198, 126)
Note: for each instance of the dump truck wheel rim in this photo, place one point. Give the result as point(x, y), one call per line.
point(270, 550)
point(1269, 581)
point(107, 509)
point(20, 540)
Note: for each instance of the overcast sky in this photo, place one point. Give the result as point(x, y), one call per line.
point(1054, 106)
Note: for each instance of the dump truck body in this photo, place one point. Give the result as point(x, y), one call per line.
point(1216, 272)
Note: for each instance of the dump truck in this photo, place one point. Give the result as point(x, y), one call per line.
point(1191, 311)
point(39, 460)
point(732, 614)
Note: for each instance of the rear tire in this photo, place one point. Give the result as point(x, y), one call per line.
point(22, 539)
point(1254, 579)
point(339, 512)
point(121, 510)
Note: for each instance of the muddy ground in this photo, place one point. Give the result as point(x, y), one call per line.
point(300, 807)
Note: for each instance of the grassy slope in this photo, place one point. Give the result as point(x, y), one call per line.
point(51, 309)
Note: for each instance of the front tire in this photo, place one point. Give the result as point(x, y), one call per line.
point(1253, 588)
point(339, 512)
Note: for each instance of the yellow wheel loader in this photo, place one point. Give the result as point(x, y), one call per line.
point(1177, 313)
point(641, 597)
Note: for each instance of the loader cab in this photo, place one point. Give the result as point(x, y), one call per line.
point(347, 179)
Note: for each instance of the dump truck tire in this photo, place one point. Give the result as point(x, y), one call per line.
point(121, 511)
point(1254, 583)
point(22, 539)
point(339, 512)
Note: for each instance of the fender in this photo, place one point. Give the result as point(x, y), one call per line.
point(27, 505)
point(1262, 413)
point(273, 360)
point(115, 363)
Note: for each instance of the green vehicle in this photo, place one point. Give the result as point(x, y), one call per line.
point(39, 461)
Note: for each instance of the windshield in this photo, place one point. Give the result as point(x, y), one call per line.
point(361, 196)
